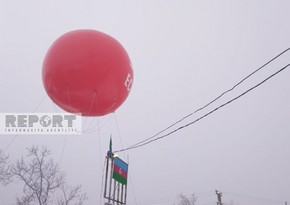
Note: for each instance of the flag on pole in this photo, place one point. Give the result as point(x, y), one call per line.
point(120, 171)
point(110, 149)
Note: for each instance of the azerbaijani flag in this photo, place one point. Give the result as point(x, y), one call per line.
point(120, 171)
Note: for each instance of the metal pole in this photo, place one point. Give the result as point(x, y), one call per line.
point(118, 193)
point(125, 194)
point(122, 194)
point(110, 188)
point(114, 194)
point(106, 179)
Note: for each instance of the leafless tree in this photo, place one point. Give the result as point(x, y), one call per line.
point(184, 200)
point(71, 195)
point(4, 168)
point(42, 179)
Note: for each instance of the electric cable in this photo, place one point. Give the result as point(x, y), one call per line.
point(215, 99)
point(147, 141)
point(254, 197)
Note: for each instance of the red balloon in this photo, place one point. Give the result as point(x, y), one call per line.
point(87, 72)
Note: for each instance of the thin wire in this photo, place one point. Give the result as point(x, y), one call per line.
point(68, 96)
point(215, 99)
point(11, 141)
point(102, 168)
point(36, 108)
point(171, 199)
point(133, 190)
point(253, 197)
point(95, 93)
point(88, 123)
point(96, 127)
point(63, 148)
point(205, 115)
point(55, 107)
point(244, 79)
point(101, 192)
point(16, 135)
point(90, 109)
point(100, 144)
point(119, 133)
point(65, 139)
point(163, 130)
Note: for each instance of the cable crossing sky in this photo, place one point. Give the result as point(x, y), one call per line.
point(155, 137)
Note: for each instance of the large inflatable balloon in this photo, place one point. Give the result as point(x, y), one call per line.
point(87, 72)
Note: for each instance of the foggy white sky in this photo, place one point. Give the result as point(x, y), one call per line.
point(184, 54)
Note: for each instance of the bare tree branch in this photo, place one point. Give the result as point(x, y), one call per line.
point(184, 200)
point(40, 177)
point(43, 181)
point(71, 195)
point(5, 176)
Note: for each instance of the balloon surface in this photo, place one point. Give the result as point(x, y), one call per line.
point(87, 72)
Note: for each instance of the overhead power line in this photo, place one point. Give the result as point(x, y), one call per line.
point(155, 138)
point(214, 100)
point(257, 198)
